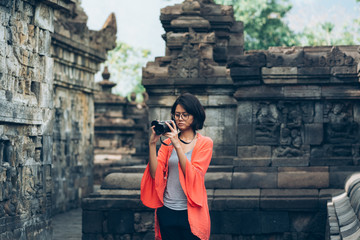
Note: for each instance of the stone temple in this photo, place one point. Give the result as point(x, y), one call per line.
point(284, 121)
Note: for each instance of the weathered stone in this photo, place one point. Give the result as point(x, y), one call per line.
point(44, 17)
point(122, 181)
point(44, 42)
point(246, 136)
point(311, 177)
point(120, 222)
point(313, 134)
point(92, 221)
point(218, 180)
point(254, 180)
point(289, 199)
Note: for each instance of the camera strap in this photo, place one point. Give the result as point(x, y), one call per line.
point(164, 143)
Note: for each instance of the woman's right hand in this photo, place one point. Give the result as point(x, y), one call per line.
point(153, 137)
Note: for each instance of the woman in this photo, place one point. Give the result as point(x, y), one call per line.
point(173, 181)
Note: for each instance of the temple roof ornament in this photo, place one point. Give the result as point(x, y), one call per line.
point(199, 37)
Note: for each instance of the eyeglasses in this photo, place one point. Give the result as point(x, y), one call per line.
point(185, 116)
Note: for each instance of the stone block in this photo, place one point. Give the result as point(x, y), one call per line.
point(259, 93)
point(20, 114)
point(314, 134)
point(47, 149)
point(338, 92)
point(230, 117)
point(44, 43)
point(221, 237)
point(226, 199)
point(255, 152)
point(306, 177)
point(302, 92)
point(221, 160)
point(290, 161)
point(245, 75)
point(252, 162)
point(218, 180)
point(310, 222)
point(92, 221)
point(230, 136)
point(214, 116)
point(254, 180)
point(245, 135)
point(144, 222)
point(120, 222)
point(287, 199)
point(314, 72)
point(122, 181)
point(216, 134)
point(47, 128)
point(253, 156)
point(45, 95)
point(339, 174)
point(275, 222)
point(44, 17)
point(235, 222)
point(245, 112)
point(279, 75)
point(279, 71)
point(356, 111)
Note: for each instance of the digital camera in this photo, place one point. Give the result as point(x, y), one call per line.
point(161, 127)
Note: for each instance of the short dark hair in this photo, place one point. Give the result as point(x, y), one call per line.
point(192, 106)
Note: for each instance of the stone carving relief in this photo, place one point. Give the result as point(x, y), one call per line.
point(187, 64)
point(339, 126)
point(333, 58)
point(267, 124)
point(292, 128)
point(336, 58)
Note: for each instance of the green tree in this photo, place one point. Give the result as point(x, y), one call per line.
point(264, 24)
point(125, 64)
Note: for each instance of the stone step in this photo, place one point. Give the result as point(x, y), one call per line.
point(228, 199)
point(228, 177)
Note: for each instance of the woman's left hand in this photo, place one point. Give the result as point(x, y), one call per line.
point(173, 135)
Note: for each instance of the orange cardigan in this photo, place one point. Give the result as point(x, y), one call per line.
point(193, 185)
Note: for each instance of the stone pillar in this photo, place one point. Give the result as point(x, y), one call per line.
point(77, 53)
point(199, 37)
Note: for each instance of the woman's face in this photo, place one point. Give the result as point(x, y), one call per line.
point(183, 119)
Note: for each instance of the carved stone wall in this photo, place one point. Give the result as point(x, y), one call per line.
point(298, 117)
point(46, 112)
point(26, 118)
point(302, 109)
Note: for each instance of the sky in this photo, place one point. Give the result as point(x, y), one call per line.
point(139, 24)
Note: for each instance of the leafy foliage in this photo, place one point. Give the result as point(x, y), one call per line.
point(322, 35)
point(125, 63)
point(264, 24)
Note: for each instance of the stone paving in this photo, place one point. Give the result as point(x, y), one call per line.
point(67, 225)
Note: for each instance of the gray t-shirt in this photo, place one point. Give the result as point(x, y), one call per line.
point(174, 196)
